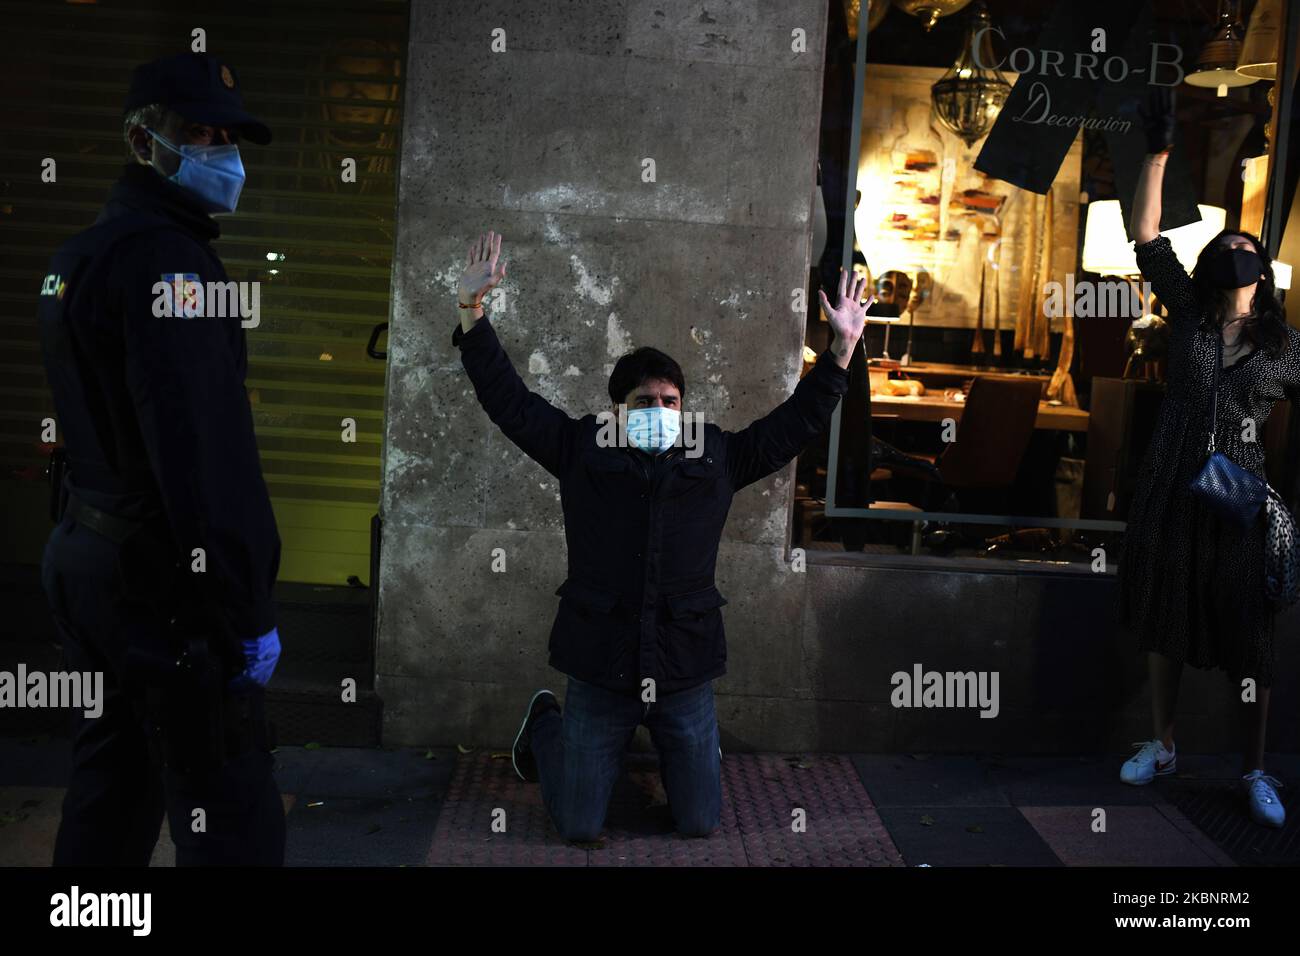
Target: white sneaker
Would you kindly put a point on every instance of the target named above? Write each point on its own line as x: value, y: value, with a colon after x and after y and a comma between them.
x: 1152, y: 760
x: 1261, y: 795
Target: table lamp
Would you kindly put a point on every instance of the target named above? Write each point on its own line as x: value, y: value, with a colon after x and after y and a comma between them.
x: 1108, y: 251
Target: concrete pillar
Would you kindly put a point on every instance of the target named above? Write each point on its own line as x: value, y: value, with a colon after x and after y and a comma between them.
x: 551, y: 142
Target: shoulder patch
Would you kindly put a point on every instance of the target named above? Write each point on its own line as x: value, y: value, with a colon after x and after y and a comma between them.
x: 53, y: 285
x: 183, y: 288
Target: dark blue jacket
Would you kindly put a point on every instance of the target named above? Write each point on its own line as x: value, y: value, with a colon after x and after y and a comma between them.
x: 642, y: 533
x: 152, y: 410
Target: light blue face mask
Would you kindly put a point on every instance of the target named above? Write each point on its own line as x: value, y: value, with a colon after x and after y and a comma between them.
x: 653, y: 429
x: 213, y: 173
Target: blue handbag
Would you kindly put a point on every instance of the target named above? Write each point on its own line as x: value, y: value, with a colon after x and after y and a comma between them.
x: 1231, y: 491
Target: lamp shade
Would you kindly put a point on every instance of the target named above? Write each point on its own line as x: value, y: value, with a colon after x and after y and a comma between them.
x: 1281, y: 275
x: 1259, y: 51
x: 1107, y: 249
x: 1216, y: 66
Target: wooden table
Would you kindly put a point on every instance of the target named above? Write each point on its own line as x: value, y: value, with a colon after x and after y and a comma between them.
x: 944, y: 370
x: 935, y: 408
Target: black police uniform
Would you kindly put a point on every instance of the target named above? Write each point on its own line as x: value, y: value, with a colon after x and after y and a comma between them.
x: 162, y: 459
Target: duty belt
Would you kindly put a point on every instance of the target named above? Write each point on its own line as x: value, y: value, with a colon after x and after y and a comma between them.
x: 113, y: 527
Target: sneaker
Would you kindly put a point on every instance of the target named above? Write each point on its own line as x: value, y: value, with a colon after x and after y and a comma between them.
x: 521, y: 754
x: 1152, y: 760
x: 1261, y: 795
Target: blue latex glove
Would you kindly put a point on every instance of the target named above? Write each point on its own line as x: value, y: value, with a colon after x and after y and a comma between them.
x: 261, y: 654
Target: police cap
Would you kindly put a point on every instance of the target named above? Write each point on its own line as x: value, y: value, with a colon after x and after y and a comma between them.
x: 199, y: 87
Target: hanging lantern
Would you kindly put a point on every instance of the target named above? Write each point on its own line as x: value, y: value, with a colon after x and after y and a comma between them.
x: 1216, y: 66
x: 875, y: 13
x: 968, y: 98
x: 1259, y: 53
x: 930, y: 10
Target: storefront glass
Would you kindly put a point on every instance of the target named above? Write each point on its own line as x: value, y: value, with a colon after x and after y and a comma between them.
x: 1014, y: 365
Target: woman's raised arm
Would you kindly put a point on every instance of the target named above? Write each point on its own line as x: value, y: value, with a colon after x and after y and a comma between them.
x: 1158, y: 122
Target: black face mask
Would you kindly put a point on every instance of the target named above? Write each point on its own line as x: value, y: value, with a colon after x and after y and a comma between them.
x: 1234, y: 268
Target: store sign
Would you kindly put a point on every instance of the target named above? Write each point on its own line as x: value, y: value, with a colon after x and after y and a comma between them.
x: 1165, y: 68
x: 1091, y: 71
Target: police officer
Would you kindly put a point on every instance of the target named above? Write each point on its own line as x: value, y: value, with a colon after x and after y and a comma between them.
x: 160, y: 570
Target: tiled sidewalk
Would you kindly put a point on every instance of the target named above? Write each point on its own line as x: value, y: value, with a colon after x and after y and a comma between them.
x: 409, y: 807
x: 762, y: 795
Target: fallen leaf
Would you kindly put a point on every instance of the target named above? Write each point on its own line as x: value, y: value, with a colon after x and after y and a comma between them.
x: 430, y: 755
x: 311, y: 746
x: 927, y: 820
x: 463, y: 749
x: 318, y: 803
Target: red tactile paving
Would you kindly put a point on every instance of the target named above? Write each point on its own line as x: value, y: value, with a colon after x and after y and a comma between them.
x: 464, y: 836
x: 759, y: 793
x: 843, y: 828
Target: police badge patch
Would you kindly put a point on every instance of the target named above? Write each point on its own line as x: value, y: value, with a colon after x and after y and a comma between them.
x: 185, y: 288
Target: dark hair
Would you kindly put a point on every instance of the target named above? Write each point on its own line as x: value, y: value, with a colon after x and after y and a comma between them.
x: 639, y: 366
x: 1268, y: 329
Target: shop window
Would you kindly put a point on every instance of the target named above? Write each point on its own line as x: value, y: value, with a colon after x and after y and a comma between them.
x: 1014, y: 363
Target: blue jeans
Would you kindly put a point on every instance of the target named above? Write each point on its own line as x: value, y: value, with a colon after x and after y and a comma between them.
x: 579, y: 756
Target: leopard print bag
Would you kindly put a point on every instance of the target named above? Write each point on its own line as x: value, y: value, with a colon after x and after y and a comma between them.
x: 1281, y: 553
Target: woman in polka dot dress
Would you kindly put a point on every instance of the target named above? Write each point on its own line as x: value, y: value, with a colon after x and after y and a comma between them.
x: 1191, y: 584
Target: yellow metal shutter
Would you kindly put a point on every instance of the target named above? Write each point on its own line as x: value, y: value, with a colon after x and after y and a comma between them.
x: 327, y: 78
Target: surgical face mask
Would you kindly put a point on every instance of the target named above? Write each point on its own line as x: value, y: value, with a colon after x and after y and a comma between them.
x: 213, y: 173
x: 653, y: 429
x: 1235, y: 268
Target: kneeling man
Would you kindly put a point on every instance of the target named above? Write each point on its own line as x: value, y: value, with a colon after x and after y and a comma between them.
x: 639, y: 628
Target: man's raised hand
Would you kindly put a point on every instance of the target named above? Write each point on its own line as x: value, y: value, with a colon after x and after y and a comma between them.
x: 481, y: 273
x: 847, y: 317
